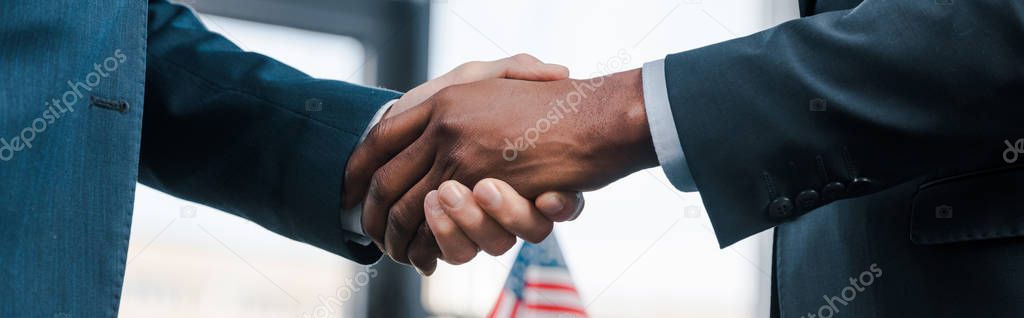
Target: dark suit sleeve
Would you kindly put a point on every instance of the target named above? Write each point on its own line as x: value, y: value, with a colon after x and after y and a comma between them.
x: 867, y: 98
x: 232, y: 130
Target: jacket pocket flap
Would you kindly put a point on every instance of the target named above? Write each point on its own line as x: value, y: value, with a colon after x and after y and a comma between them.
x: 976, y: 206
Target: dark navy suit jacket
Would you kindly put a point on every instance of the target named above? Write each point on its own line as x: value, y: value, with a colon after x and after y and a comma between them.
x: 98, y: 95
x: 880, y: 139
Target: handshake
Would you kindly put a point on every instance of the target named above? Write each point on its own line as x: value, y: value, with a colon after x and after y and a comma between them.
x: 524, y: 135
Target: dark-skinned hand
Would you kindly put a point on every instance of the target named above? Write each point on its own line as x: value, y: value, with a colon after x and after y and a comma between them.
x: 522, y: 67
x: 567, y: 135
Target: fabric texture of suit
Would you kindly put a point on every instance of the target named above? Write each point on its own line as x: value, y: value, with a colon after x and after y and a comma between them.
x: 221, y: 127
x: 873, y: 137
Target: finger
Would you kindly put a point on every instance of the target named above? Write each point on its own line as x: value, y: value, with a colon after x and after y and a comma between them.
x: 421, y: 93
x: 520, y: 67
x: 457, y: 202
x: 560, y: 206
x: 526, y: 67
x: 423, y: 253
x: 385, y: 140
x: 456, y: 248
x: 387, y: 186
x: 405, y: 216
x: 513, y: 212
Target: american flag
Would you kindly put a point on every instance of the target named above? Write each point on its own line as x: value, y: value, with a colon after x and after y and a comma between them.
x: 539, y: 285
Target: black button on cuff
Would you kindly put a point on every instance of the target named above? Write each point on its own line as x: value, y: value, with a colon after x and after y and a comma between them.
x: 860, y: 186
x: 833, y: 191
x: 780, y: 208
x: 807, y: 200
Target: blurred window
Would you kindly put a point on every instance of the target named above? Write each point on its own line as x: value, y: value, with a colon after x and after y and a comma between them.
x: 188, y: 260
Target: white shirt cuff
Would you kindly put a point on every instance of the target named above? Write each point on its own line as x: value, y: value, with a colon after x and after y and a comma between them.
x: 352, y: 219
x: 663, y: 127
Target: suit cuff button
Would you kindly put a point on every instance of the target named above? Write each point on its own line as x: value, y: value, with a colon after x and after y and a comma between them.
x: 780, y: 208
x: 833, y: 191
x: 807, y: 200
x: 860, y: 185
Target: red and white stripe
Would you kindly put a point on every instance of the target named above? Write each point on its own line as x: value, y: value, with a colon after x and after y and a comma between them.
x: 548, y: 292
x: 506, y: 306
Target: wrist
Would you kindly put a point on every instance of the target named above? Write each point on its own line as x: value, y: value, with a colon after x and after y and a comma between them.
x: 628, y: 145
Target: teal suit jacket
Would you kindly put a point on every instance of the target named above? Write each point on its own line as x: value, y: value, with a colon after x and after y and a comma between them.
x: 99, y: 95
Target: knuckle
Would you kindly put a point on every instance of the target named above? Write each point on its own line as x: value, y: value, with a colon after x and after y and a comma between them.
x: 439, y: 228
x: 396, y: 248
x: 378, y: 191
x: 506, y: 244
x: 398, y: 258
x: 471, y: 67
x: 445, y: 96
x: 375, y: 137
x: 539, y: 233
x: 400, y: 221
x: 524, y: 58
x: 419, y: 259
x: 461, y: 256
x: 456, y: 76
x: 465, y: 72
x: 373, y: 229
x: 508, y: 216
x: 423, y: 253
x: 507, y: 221
x: 454, y: 261
x: 425, y: 237
x: 426, y: 264
x: 349, y: 180
x: 419, y: 253
x: 501, y: 245
x: 456, y: 156
x: 449, y: 127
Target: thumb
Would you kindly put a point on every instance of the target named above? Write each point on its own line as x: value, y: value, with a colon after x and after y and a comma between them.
x: 528, y: 68
x: 560, y: 206
x: 520, y: 67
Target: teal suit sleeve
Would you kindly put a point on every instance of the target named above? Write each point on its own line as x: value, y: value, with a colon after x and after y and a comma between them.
x: 847, y: 103
x: 232, y: 130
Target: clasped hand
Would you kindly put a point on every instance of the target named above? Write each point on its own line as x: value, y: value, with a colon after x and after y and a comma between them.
x: 412, y: 169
